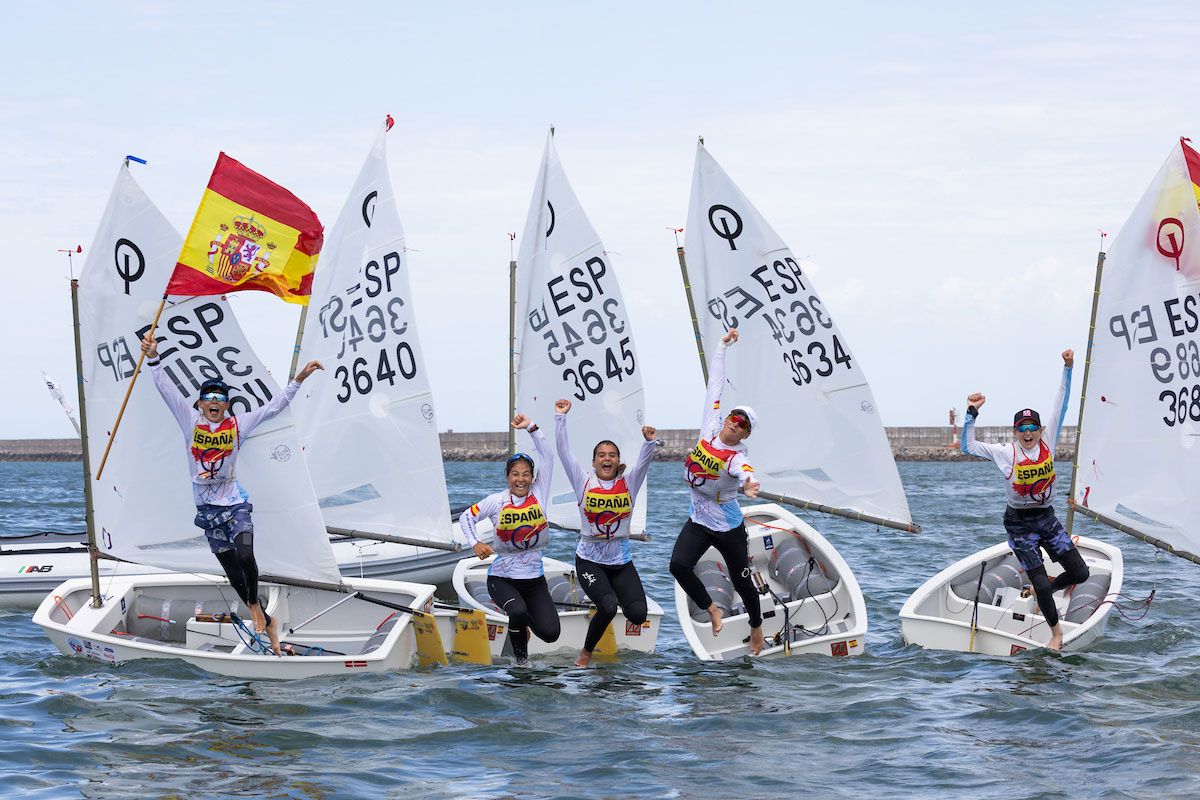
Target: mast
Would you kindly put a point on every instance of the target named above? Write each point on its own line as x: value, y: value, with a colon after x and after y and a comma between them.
x: 512, y: 345
x: 687, y: 288
x: 1087, y: 366
x: 89, y: 515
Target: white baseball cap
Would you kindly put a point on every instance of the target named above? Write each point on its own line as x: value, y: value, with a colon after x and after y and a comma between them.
x: 748, y: 413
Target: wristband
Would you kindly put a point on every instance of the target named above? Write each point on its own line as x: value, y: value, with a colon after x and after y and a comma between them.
x: 532, y: 427
x: 973, y: 411
x: 153, y: 363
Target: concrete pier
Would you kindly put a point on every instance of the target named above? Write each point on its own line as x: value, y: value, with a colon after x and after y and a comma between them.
x: 908, y: 444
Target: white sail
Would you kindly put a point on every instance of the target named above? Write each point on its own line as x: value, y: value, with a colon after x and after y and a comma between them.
x: 370, y: 434
x: 574, y: 339
x: 819, y: 436
x: 1139, y: 441
x: 143, y: 501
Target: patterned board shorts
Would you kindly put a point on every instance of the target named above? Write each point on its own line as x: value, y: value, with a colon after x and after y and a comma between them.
x: 222, y: 524
x: 1029, y: 532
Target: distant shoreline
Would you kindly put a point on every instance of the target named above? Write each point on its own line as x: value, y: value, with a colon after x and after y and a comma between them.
x: 908, y: 444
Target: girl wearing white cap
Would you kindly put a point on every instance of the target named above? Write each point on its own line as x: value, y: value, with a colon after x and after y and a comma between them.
x: 715, y: 469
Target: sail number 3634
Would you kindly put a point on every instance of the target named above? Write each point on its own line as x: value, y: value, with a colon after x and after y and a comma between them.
x: 802, y: 374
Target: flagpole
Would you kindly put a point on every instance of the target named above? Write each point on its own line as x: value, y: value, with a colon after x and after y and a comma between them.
x: 88, y: 510
x: 136, y: 371
x: 299, y: 337
x: 1087, y: 367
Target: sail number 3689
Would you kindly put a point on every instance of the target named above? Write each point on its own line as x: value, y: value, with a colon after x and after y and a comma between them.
x: 1182, y: 405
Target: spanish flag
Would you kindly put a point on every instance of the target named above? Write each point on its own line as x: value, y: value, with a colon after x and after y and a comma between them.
x: 249, y: 233
x: 1193, y: 164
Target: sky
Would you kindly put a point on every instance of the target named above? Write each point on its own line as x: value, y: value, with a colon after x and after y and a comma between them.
x: 945, y: 169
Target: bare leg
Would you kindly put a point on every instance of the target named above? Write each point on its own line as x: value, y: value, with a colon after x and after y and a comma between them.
x: 259, y: 619
x: 585, y: 658
x: 757, y: 642
x: 1056, y: 637
x: 715, y: 615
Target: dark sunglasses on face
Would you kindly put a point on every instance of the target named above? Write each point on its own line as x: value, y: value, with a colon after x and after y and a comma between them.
x: 214, y: 397
x: 739, y: 420
x: 1027, y: 428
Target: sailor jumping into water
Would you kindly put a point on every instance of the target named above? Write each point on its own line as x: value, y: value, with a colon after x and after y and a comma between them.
x: 1028, y: 467
x: 603, y: 559
x: 714, y: 470
x: 222, y: 505
x: 516, y: 579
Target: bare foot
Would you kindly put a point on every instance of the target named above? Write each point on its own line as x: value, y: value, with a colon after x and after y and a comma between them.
x: 715, y: 615
x: 259, y: 619
x: 273, y: 633
x: 585, y: 658
x: 757, y: 642
x: 1056, y: 637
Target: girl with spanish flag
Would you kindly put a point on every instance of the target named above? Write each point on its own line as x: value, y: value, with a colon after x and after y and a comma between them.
x: 603, y: 559
x: 715, y: 469
x: 516, y: 580
x: 222, y: 505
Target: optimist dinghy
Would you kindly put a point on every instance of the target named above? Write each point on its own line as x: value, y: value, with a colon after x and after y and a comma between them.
x: 820, y: 443
x: 142, y: 511
x: 944, y: 614
x: 574, y: 613
x: 810, y: 600
x: 188, y: 617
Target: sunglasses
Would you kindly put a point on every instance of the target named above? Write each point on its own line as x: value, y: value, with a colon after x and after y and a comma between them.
x: 215, y: 397
x: 739, y: 420
x: 516, y: 456
x: 1027, y: 428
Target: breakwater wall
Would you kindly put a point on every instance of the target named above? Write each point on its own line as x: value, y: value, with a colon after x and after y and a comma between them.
x: 908, y: 444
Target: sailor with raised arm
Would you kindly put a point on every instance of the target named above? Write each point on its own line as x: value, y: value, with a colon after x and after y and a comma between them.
x: 715, y: 469
x: 603, y: 559
x: 223, y: 507
x: 516, y: 579
x: 1028, y: 467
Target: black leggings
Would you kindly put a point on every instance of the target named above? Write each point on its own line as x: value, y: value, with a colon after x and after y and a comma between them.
x: 528, y: 604
x: 240, y: 567
x: 693, y: 540
x: 607, y: 585
x: 1074, y: 571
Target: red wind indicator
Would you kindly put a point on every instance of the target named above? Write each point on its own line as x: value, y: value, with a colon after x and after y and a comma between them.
x: 390, y: 122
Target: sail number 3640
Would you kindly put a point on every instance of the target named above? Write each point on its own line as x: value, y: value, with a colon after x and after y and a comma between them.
x: 361, y: 376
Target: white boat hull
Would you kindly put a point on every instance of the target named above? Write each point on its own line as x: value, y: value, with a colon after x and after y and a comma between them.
x: 939, y: 614
x: 472, y: 574
x: 155, y: 616
x: 821, y: 611
x: 31, y: 566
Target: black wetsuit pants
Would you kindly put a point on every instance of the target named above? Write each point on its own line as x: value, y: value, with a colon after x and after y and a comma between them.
x: 609, y: 585
x: 693, y: 540
x: 528, y: 604
x: 241, y: 568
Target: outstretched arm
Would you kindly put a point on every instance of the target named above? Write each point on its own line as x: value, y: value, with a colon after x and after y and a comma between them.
x: 711, y: 421
x: 637, y: 473
x: 176, y: 403
x: 575, y: 473
x: 1058, y: 411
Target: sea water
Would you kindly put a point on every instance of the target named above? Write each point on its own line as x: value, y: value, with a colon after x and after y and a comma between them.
x: 1121, y: 720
